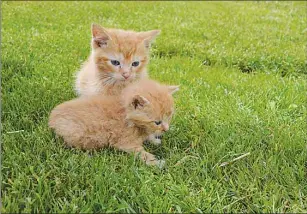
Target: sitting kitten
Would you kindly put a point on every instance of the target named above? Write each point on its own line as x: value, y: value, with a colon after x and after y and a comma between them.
x: 124, y: 122
x: 118, y: 58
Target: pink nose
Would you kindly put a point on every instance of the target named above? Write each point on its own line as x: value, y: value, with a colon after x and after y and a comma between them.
x: 165, y: 127
x: 126, y: 75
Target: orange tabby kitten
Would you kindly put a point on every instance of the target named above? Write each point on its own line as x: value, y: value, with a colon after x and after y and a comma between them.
x: 124, y: 122
x: 118, y: 58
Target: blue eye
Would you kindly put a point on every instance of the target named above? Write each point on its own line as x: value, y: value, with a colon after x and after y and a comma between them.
x: 136, y: 63
x: 115, y: 62
x: 158, y: 122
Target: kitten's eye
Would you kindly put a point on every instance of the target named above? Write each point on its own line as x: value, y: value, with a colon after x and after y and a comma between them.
x: 115, y: 62
x: 158, y: 122
x: 136, y: 63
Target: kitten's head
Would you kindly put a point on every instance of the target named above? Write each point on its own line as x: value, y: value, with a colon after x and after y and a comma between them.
x: 149, y: 105
x: 121, y: 55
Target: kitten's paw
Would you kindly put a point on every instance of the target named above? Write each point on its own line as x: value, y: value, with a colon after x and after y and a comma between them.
x: 156, y: 141
x: 160, y: 163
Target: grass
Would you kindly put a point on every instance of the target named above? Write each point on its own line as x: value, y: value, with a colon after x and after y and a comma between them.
x: 242, y: 70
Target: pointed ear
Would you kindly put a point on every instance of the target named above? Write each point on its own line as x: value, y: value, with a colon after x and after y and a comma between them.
x: 149, y: 36
x: 173, y: 88
x: 139, y: 102
x: 100, y: 36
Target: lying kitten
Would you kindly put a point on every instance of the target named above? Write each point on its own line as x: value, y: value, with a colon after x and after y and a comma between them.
x: 118, y: 58
x: 124, y: 122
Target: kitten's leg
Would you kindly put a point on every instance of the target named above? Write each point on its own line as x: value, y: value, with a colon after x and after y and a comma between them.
x: 152, y: 138
x: 147, y: 157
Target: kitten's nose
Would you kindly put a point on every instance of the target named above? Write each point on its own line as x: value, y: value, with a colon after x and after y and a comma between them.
x: 126, y: 75
x: 165, y: 127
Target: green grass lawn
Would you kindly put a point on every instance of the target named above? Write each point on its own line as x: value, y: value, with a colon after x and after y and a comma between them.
x: 242, y: 71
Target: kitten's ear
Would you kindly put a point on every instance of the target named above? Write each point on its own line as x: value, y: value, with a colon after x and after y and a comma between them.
x: 173, y: 88
x: 139, y: 101
x: 100, y: 36
x: 149, y: 36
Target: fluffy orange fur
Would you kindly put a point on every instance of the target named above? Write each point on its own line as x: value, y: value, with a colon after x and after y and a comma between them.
x: 144, y: 109
x: 118, y: 58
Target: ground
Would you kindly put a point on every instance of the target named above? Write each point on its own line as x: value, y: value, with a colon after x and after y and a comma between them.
x: 242, y: 71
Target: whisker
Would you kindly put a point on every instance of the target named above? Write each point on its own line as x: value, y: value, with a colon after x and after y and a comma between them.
x: 107, y: 81
x: 114, y: 82
x: 104, y: 76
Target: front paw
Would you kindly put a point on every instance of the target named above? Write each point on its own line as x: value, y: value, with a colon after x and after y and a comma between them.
x: 156, y: 141
x: 155, y: 162
x: 160, y: 163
